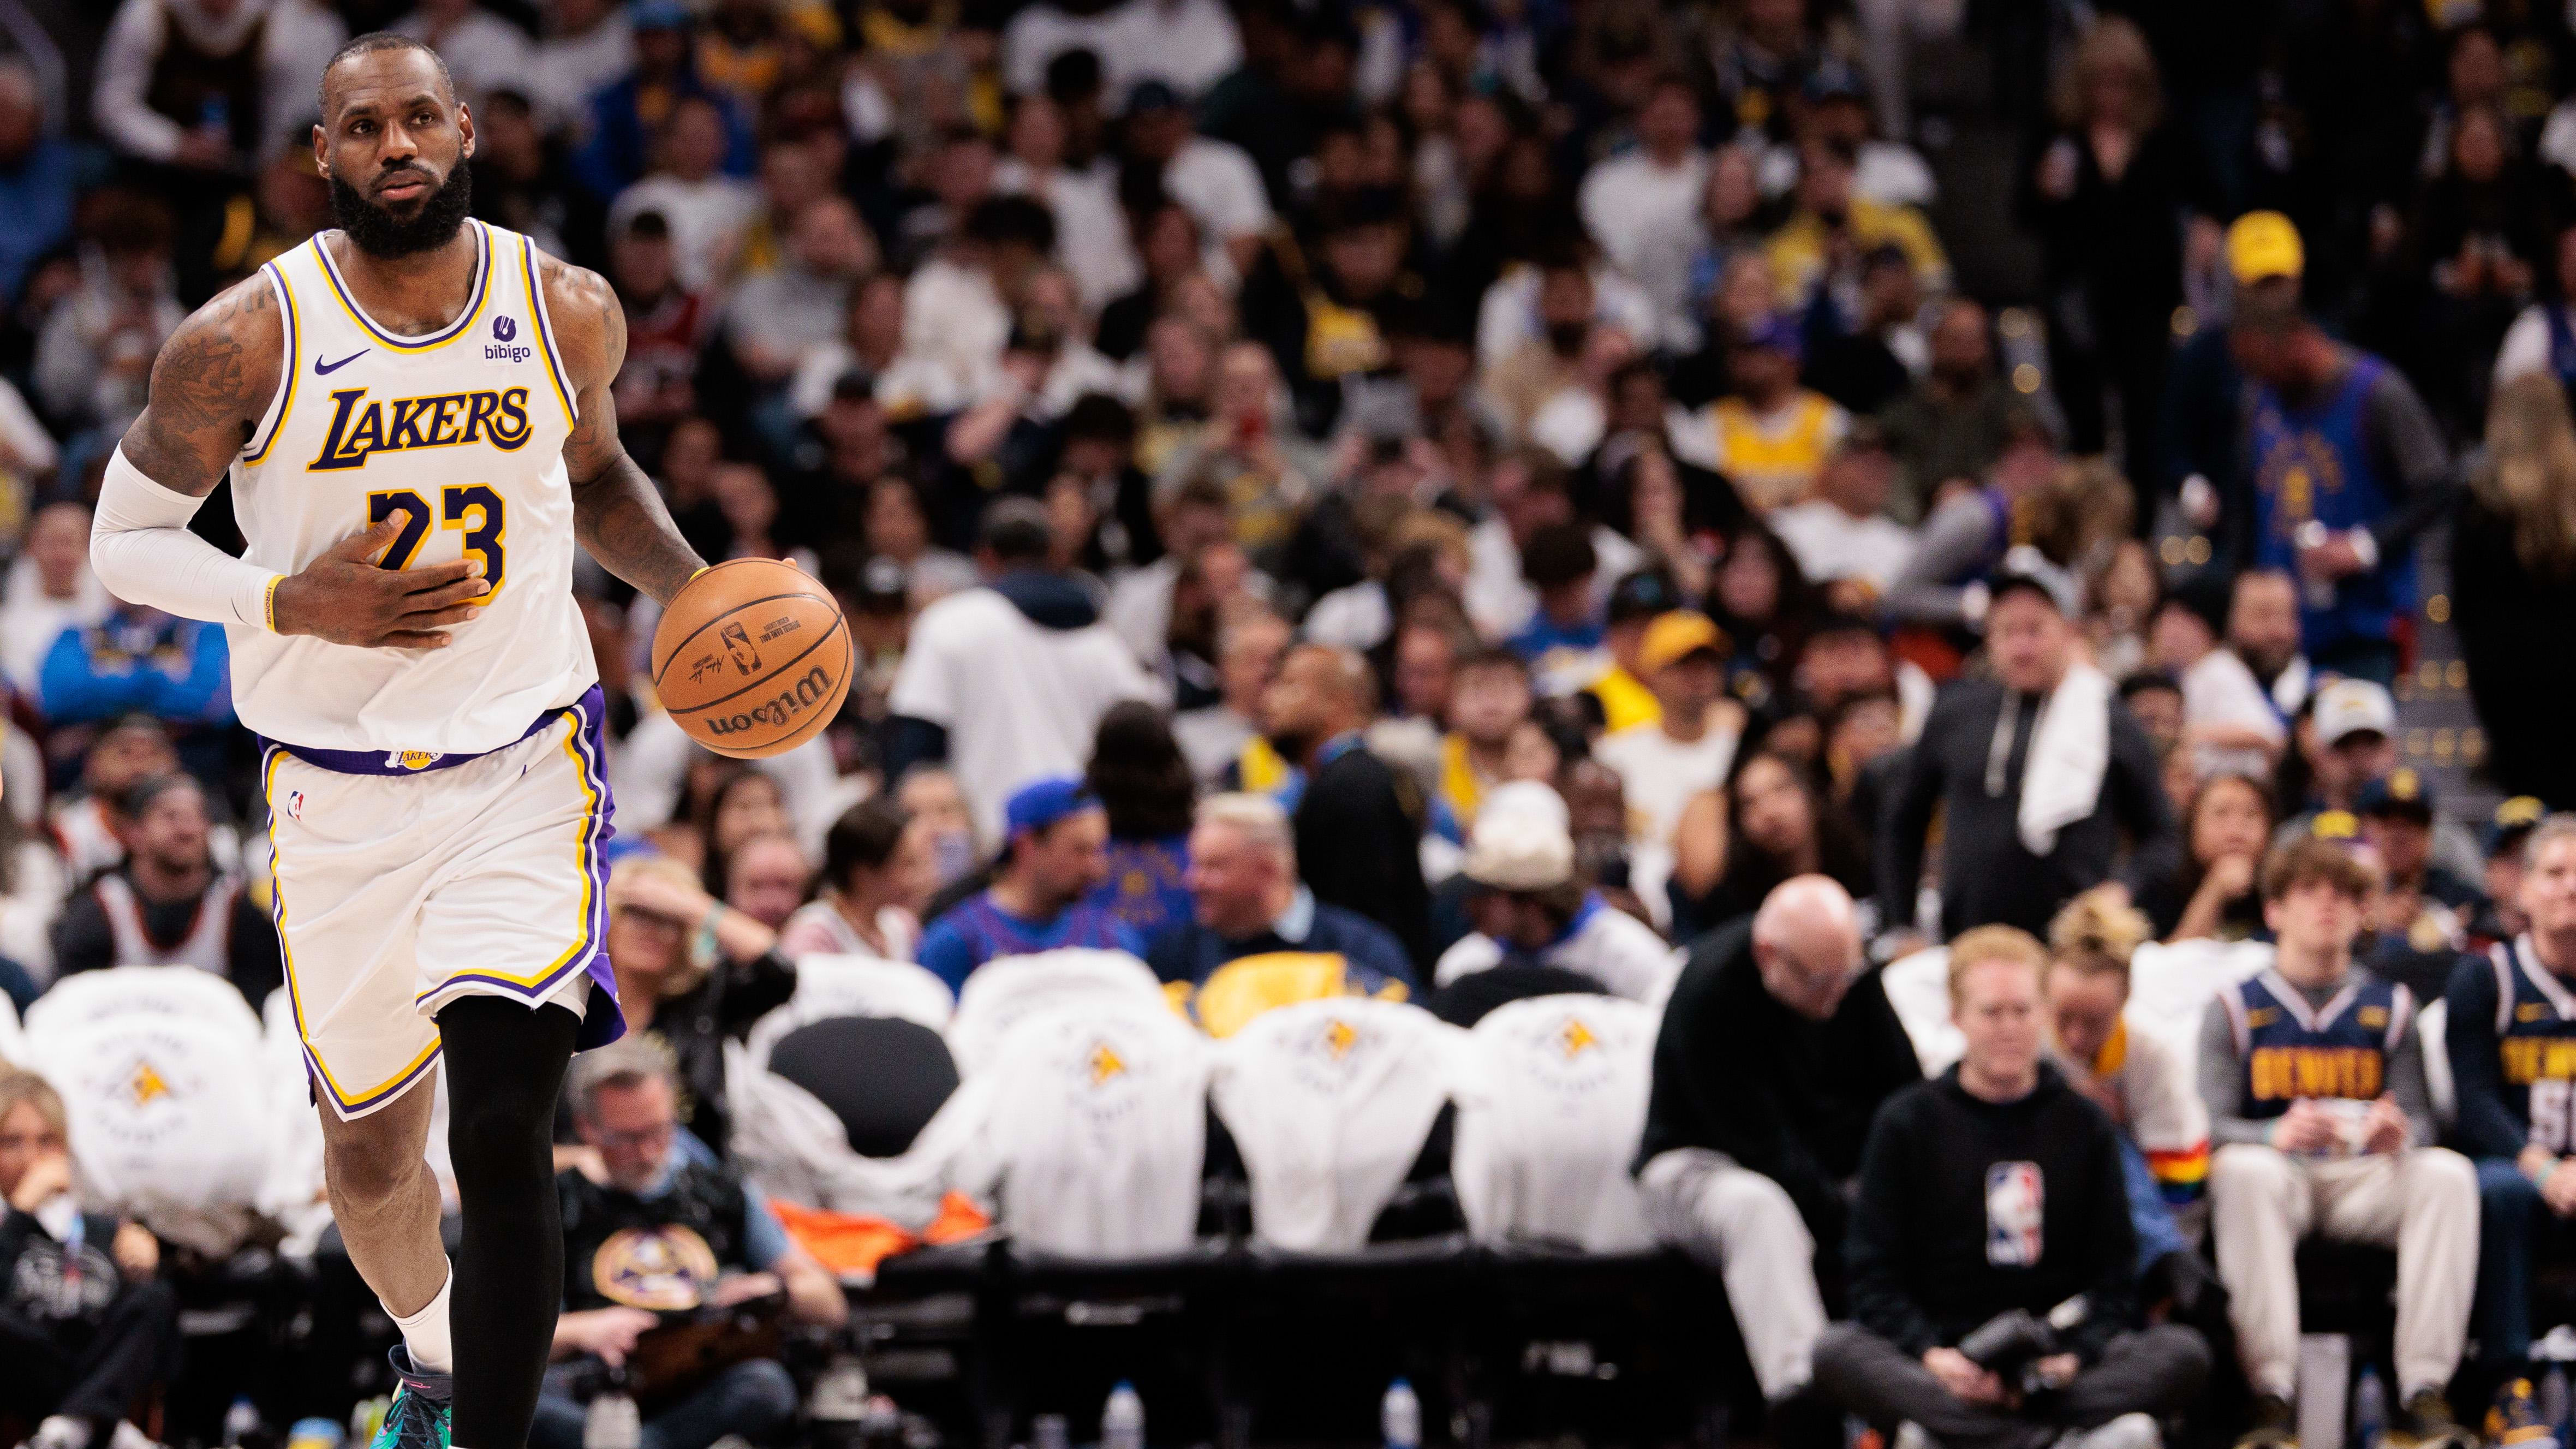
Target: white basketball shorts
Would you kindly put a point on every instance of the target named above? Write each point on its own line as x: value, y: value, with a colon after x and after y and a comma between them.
x: 406, y: 880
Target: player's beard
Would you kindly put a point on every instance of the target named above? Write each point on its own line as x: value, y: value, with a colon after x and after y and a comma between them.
x: 380, y: 233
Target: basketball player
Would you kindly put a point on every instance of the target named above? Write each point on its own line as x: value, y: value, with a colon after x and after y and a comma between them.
x: 415, y: 414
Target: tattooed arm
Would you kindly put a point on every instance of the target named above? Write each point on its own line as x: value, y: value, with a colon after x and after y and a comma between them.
x: 617, y: 511
x: 210, y: 386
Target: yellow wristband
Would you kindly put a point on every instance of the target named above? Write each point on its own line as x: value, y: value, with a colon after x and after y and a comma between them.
x: 268, y: 606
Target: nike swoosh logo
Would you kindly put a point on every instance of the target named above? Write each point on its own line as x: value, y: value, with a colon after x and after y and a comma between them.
x: 324, y: 369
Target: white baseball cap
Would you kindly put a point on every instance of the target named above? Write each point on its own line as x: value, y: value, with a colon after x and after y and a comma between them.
x: 2350, y: 706
x: 1519, y: 850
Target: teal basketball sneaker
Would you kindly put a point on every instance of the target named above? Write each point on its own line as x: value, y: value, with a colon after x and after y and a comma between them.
x: 417, y: 1418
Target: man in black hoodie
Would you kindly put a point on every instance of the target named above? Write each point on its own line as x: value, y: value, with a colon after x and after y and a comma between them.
x: 1999, y: 1187
x: 1775, y: 1051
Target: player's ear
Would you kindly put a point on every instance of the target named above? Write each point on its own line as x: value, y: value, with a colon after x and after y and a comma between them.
x: 465, y: 128
x: 321, y: 149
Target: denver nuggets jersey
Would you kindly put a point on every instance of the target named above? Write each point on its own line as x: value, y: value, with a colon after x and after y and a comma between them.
x: 459, y: 434
x: 2292, y: 1050
x: 2536, y: 1038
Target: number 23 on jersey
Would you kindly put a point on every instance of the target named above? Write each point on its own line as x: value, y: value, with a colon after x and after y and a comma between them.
x: 470, y: 508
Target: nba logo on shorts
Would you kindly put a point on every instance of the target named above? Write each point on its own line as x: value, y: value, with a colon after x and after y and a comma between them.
x: 2015, y: 1196
x: 294, y: 804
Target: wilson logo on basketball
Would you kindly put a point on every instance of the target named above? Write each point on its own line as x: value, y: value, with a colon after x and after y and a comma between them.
x: 779, y: 708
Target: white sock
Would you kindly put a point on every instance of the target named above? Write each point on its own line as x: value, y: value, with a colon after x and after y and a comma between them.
x: 425, y: 1333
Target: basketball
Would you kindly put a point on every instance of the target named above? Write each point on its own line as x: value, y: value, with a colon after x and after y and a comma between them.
x: 752, y: 658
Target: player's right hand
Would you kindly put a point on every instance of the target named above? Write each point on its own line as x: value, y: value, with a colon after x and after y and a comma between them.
x: 346, y: 597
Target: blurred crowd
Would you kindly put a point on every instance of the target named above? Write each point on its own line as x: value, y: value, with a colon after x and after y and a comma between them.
x: 1485, y: 494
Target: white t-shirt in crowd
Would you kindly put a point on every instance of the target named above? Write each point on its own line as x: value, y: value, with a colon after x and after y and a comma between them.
x: 1831, y: 544
x: 482, y: 50
x: 2220, y: 689
x: 954, y: 327
x: 1507, y: 315
x: 708, y: 219
x: 1019, y: 701
x: 1645, y: 215
x: 569, y: 69
x: 31, y: 620
x: 1188, y: 45
x: 1660, y: 774
x: 1605, y: 943
x: 1218, y: 184
x: 1090, y: 230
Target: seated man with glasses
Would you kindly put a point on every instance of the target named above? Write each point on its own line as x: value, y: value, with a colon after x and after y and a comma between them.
x: 656, y: 1240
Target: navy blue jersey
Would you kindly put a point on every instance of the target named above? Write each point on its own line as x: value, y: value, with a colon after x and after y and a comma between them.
x: 2535, y: 1027
x: 2292, y: 1051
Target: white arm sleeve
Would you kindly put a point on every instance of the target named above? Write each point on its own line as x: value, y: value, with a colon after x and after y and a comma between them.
x: 140, y: 545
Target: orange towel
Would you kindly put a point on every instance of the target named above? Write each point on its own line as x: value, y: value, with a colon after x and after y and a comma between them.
x: 853, y: 1244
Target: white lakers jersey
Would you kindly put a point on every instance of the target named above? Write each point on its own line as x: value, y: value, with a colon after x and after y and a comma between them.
x: 459, y: 434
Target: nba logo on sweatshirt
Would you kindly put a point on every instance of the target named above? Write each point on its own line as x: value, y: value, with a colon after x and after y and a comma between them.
x: 2015, y: 1196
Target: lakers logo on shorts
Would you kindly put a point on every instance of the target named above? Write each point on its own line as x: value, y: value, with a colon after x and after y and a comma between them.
x: 410, y: 759
x: 664, y: 1269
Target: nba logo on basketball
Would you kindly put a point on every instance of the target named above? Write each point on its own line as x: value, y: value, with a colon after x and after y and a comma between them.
x: 2016, y: 1194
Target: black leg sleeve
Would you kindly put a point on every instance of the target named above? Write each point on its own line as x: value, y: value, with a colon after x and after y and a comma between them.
x: 505, y: 1067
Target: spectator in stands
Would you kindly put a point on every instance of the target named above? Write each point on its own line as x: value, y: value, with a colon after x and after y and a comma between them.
x: 139, y: 660
x: 2138, y: 1080
x: 2109, y: 197
x: 2511, y: 551
x: 1953, y: 423
x: 94, y: 358
x: 740, y: 802
x: 1778, y: 1045
x: 1143, y: 782
x: 1248, y: 901
x: 1359, y: 821
x: 2501, y: 844
x: 2218, y: 894
x: 1054, y: 857
x: 692, y: 993
x: 658, y: 1231
x: 780, y: 318
x: 1999, y: 1187
x: 2352, y: 547
x: 200, y: 86
x: 1216, y: 737
x: 765, y: 878
x: 2397, y: 812
x: 625, y: 115
x: 1008, y: 681
x: 1970, y: 529
x: 1690, y: 746
x: 1769, y: 436
x: 2033, y: 815
x: 877, y: 874
x: 50, y: 590
x: 587, y: 47
x: 480, y: 49
x: 89, y: 1331
x: 1489, y: 700
x: 1831, y: 229
x: 1527, y: 905
x: 2353, y: 726
x: 2228, y: 721
x: 168, y: 904
x: 1214, y: 179
x: 2314, y: 1078
x: 1768, y: 824
x: 707, y: 211
x: 2263, y: 630
x: 2509, y: 1015
x: 1844, y: 531
x: 1643, y: 206
x: 38, y: 176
